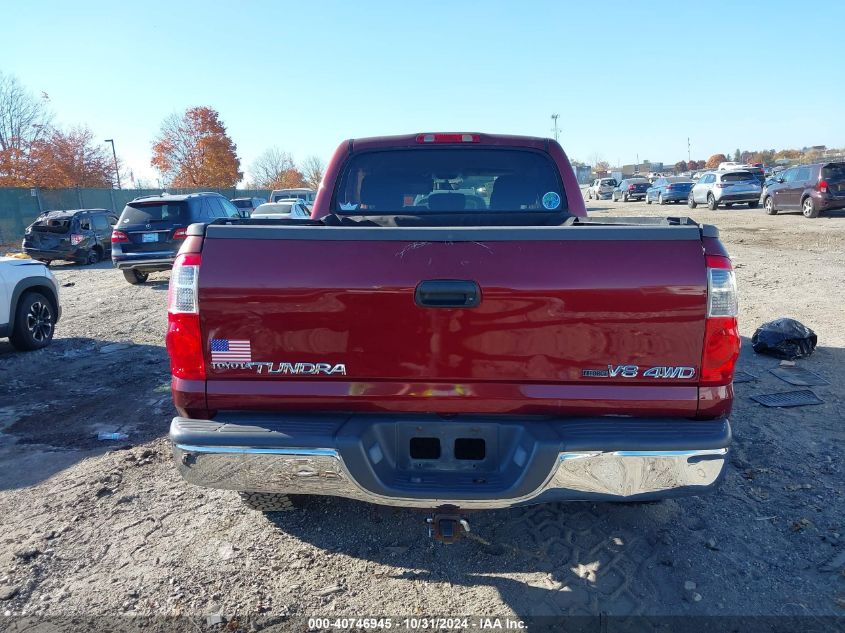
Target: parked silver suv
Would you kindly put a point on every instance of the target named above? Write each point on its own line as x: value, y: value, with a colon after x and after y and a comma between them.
x: 725, y: 187
x: 601, y: 187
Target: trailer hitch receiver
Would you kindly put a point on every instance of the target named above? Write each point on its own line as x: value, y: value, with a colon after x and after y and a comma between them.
x: 447, y: 527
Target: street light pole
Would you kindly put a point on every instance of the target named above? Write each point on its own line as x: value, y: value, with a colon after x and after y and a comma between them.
x: 555, y: 130
x: 114, y: 154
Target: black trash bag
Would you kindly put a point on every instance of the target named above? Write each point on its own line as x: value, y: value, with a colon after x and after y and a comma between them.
x: 784, y: 338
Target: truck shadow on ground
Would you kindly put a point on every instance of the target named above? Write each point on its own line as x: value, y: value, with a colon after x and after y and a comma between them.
x: 691, y: 555
x: 54, y: 402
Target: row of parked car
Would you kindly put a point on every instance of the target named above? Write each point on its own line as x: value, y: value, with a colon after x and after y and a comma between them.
x: 810, y: 189
x: 144, y: 238
x: 148, y: 233
x: 285, y: 197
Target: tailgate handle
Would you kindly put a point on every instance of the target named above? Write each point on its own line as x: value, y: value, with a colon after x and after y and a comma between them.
x: 447, y: 293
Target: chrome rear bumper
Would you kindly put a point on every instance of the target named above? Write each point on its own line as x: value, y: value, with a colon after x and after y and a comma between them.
x: 616, y: 475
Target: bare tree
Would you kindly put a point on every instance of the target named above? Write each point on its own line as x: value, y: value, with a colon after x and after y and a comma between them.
x: 595, y: 159
x: 313, y: 169
x: 24, y: 120
x: 269, y: 168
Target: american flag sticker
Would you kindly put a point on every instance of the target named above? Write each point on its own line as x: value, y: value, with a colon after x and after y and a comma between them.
x: 225, y: 350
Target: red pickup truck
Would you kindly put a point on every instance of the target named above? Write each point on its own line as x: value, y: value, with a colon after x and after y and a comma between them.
x: 450, y: 331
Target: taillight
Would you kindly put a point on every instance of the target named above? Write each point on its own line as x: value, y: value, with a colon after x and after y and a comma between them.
x: 632, y: 187
x: 721, y: 334
x: 75, y: 238
x: 448, y: 138
x: 119, y: 236
x: 823, y: 186
x: 184, y: 337
x: 180, y: 234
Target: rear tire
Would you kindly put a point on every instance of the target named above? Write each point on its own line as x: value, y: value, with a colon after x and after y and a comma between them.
x: 647, y: 199
x: 660, y: 199
x: 135, y: 277
x: 808, y: 208
x: 270, y: 501
x: 93, y: 256
x: 769, y: 205
x: 625, y: 197
x: 35, y: 322
x: 711, y: 202
x: 691, y: 203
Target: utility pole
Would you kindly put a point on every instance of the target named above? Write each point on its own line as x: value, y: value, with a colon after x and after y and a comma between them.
x: 689, y: 155
x: 554, y: 129
x: 114, y: 154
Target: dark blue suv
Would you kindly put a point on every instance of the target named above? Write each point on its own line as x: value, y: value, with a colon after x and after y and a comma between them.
x: 151, y: 230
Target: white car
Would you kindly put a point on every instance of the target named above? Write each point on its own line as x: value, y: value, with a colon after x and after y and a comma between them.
x: 601, y: 187
x: 29, y: 303
x: 290, y: 208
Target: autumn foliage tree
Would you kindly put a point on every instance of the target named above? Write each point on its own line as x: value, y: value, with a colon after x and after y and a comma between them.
x: 681, y: 165
x: 194, y: 150
x: 71, y: 159
x: 714, y: 161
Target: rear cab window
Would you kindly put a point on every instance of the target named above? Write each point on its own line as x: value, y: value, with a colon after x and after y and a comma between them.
x: 449, y: 180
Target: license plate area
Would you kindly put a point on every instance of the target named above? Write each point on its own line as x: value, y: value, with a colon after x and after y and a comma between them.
x: 146, y: 238
x: 434, y: 457
x: 445, y: 446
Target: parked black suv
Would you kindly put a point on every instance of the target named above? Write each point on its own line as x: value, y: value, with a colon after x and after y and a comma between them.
x: 79, y: 235
x: 151, y: 230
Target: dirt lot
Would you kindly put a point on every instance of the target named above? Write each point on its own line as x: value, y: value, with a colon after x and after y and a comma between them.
x: 89, y: 527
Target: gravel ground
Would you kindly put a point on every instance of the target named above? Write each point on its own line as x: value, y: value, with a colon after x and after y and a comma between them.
x: 95, y: 529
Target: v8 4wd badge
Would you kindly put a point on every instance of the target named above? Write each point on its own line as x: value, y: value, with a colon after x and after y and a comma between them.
x: 633, y: 371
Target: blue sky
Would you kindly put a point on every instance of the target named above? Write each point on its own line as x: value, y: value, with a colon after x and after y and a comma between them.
x: 627, y: 78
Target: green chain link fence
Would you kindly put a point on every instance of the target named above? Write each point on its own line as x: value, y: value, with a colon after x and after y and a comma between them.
x: 20, y: 206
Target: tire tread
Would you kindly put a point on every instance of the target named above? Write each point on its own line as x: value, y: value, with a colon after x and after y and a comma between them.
x: 269, y: 501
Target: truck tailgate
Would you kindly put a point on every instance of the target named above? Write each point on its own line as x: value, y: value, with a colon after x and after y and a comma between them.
x: 330, y: 318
